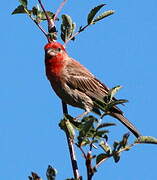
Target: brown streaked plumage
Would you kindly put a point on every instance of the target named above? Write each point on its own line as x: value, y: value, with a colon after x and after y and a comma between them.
x: 76, y: 86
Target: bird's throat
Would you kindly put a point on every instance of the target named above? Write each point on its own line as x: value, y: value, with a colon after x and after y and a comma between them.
x: 54, y: 66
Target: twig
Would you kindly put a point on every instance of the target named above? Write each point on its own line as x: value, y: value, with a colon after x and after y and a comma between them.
x: 49, y: 21
x: 71, y: 148
x: 84, y: 155
x: 78, y: 32
x: 52, y: 35
x: 96, y: 166
x: 59, y: 10
x: 39, y: 26
x: 88, y: 158
x: 121, y: 150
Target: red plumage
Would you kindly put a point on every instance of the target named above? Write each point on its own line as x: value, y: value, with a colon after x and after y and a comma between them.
x: 77, y: 86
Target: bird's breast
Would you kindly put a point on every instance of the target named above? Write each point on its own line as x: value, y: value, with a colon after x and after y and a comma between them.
x: 54, y: 67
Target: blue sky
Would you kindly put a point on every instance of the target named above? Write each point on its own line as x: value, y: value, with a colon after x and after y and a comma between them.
x: 121, y: 49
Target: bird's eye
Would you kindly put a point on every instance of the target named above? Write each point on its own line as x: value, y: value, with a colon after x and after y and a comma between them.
x: 59, y: 49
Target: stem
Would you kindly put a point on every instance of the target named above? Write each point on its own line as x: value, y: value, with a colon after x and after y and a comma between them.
x: 90, y: 170
x: 121, y: 150
x: 51, y: 25
x: 71, y: 148
x: 59, y: 9
x: 84, y: 154
x: 78, y: 32
x: 40, y: 27
x: 50, y: 22
x: 96, y: 166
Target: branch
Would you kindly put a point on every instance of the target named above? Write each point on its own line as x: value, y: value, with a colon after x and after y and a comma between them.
x: 84, y: 154
x: 39, y: 26
x: 90, y: 170
x: 121, y: 150
x: 71, y: 148
x: 78, y: 32
x: 49, y: 21
x: 59, y: 10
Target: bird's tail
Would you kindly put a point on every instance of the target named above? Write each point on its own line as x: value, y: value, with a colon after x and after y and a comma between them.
x: 118, y: 114
x: 126, y: 122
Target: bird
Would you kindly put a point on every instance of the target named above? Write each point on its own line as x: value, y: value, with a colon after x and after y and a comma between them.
x: 77, y: 86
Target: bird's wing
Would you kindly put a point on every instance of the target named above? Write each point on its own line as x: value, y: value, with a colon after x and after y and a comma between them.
x: 80, y: 78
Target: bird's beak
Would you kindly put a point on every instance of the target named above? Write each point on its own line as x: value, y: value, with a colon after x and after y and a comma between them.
x: 50, y: 52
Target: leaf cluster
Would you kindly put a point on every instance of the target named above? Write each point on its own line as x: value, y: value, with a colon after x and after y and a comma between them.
x: 50, y: 174
x: 36, y: 13
x: 68, y: 27
x: 91, y: 133
x: 91, y: 19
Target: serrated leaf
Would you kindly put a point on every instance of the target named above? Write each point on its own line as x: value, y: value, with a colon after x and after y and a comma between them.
x: 103, y: 15
x: 146, y: 140
x: 113, y: 91
x: 23, y: 3
x: 93, y: 12
x: 19, y: 10
x: 101, y: 157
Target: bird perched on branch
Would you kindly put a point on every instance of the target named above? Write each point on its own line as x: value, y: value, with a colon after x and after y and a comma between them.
x: 78, y: 87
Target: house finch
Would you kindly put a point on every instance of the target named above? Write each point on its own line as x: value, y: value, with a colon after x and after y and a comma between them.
x: 78, y: 87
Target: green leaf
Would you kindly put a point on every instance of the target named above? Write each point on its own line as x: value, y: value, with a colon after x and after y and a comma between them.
x: 101, y: 157
x: 19, y: 10
x: 86, y: 127
x: 104, y: 125
x: 88, y: 118
x: 67, y: 127
x: 105, y: 147
x: 70, y: 129
x: 103, y: 15
x: 23, y: 3
x: 113, y: 91
x: 39, y: 14
x: 100, y: 133
x: 67, y: 27
x: 84, y: 142
x: 146, y: 140
x: 116, y: 102
x: 49, y: 13
x: 92, y: 13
